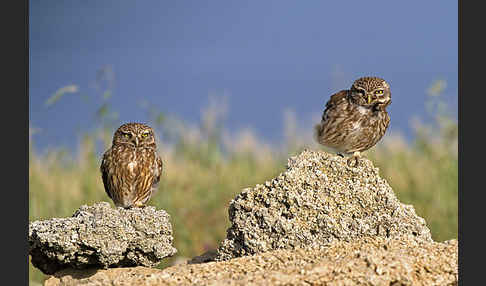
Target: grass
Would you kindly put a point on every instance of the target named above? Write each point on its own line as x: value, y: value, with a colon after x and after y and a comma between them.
x: 205, y: 167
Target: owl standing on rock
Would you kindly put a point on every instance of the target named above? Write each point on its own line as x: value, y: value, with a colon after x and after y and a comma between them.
x: 355, y: 120
x: 131, y: 168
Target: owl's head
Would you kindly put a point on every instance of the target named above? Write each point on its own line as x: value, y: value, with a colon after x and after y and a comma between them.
x: 371, y: 92
x: 135, y: 134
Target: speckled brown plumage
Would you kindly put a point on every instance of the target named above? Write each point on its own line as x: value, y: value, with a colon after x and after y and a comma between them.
x: 131, y: 168
x: 355, y: 120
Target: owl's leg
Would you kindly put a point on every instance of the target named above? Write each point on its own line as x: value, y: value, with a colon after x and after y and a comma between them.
x: 138, y: 204
x: 354, y: 159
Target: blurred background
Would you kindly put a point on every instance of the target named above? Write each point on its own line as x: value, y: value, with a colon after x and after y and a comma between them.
x: 233, y: 88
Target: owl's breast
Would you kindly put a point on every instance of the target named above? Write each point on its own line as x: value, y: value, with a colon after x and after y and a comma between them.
x: 131, y: 166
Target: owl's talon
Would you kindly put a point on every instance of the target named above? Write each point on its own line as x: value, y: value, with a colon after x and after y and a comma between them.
x: 354, y: 158
x: 351, y: 160
x: 139, y: 205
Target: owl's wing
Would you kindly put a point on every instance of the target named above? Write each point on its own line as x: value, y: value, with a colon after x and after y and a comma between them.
x: 159, y: 167
x: 332, y: 107
x: 105, y: 162
x: 333, y: 102
x: 386, y: 120
x: 335, y: 99
x: 157, y: 173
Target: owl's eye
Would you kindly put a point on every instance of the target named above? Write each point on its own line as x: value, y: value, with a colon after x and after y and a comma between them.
x: 127, y: 135
x: 379, y: 92
x: 145, y: 135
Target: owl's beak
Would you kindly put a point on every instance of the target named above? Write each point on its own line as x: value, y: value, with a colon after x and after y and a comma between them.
x: 369, y: 98
x: 135, y: 140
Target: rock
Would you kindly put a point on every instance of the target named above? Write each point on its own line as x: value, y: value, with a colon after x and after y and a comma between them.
x: 316, y: 201
x: 99, y: 236
x: 367, y: 261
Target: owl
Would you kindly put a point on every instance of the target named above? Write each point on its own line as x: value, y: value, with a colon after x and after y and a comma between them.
x: 355, y: 120
x: 131, y: 168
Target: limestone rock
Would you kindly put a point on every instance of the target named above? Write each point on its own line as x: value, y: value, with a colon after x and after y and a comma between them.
x: 100, y: 236
x: 367, y: 261
x: 317, y: 200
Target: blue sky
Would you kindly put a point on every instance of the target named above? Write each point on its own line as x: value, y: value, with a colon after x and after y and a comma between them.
x: 265, y: 56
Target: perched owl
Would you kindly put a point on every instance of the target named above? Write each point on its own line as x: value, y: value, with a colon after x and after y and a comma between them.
x: 355, y: 120
x: 131, y: 168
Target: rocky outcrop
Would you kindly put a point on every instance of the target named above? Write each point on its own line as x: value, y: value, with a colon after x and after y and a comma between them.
x: 317, y: 200
x: 367, y: 261
x: 320, y: 222
x: 100, y: 236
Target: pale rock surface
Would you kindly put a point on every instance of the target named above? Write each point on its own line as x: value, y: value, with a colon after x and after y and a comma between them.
x: 367, y: 261
x: 101, y: 236
x: 317, y: 200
